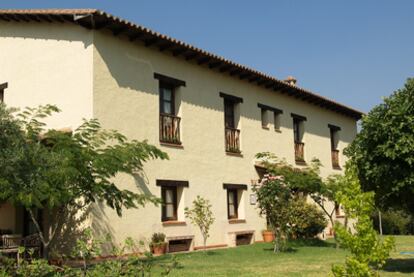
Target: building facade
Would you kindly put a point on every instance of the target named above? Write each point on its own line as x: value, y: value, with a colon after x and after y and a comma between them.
x: 211, y: 116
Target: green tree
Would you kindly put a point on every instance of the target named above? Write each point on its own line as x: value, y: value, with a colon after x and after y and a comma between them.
x: 383, y: 151
x: 201, y: 215
x: 308, y: 181
x: 368, y: 252
x: 59, y: 171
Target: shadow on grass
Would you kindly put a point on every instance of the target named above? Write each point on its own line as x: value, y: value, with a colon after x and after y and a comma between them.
x: 400, y: 265
x: 311, y: 243
x: 293, y: 245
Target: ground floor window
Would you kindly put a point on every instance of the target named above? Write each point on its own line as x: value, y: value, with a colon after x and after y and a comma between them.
x: 232, y: 204
x: 235, y: 197
x: 169, y: 199
x: 171, y: 194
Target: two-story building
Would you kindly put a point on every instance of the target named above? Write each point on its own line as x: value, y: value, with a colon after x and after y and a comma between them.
x: 209, y: 114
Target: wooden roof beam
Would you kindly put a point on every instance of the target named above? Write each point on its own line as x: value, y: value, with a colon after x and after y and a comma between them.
x: 150, y: 41
x: 214, y: 64
x: 165, y: 46
x: 203, y: 60
x: 191, y: 56
x: 135, y: 36
x: 179, y: 51
x: 225, y: 68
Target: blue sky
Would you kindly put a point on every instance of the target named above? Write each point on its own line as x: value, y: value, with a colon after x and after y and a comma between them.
x: 352, y: 51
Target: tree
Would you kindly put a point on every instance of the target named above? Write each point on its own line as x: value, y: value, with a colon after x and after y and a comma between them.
x: 201, y: 215
x: 308, y: 181
x: 60, y: 171
x: 383, y: 151
x: 368, y: 252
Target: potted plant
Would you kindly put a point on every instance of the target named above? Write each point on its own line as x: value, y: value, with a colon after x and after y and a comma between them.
x: 55, y: 258
x: 158, y: 244
x: 268, y: 235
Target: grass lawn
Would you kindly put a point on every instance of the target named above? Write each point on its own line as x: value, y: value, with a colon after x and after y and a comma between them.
x: 306, y: 259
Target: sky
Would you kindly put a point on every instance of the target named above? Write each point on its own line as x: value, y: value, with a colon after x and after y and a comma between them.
x: 354, y: 51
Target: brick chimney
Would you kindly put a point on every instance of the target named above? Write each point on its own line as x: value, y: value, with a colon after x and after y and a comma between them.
x: 291, y: 80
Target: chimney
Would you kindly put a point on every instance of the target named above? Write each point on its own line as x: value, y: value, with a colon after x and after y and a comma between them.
x: 291, y: 80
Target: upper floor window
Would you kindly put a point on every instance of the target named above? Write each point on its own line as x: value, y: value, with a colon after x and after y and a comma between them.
x: 265, y: 111
x: 231, y: 122
x: 169, y: 106
x: 334, y: 139
x: 2, y: 88
x: 171, y: 194
x: 298, y: 132
x: 167, y: 97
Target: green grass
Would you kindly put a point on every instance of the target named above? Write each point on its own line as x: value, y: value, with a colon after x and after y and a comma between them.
x: 305, y: 259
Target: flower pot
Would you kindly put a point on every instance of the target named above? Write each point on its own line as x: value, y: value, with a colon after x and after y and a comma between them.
x: 56, y: 262
x: 268, y: 236
x: 159, y: 249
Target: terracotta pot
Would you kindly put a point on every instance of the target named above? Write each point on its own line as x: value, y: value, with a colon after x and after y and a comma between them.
x: 159, y: 249
x: 268, y: 236
x: 56, y: 262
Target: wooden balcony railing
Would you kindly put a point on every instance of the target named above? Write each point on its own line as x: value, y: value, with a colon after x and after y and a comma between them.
x: 335, y: 158
x: 232, y: 140
x: 299, y: 151
x: 170, y: 128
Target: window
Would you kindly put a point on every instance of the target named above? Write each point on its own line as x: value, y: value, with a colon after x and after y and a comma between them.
x: 265, y: 116
x: 334, y: 139
x: 171, y: 193
x: 234, y: 197
x: 169, y: 104
x: 167, y: 99
x: 229, y: 114
x: 2, y: 88
x: 265, y: 122
x: 232, y: 134
x: 169, y: 198
x: 232, y: 205
x: 298, y: 132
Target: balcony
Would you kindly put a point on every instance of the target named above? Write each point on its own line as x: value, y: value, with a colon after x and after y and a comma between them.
x: 170, y: 129
x: 299, y: 152
x: 232, y: 140
x: 335, y: 158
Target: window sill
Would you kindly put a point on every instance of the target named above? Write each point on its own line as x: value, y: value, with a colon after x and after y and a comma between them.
x: 172, y: 145
x: 174, y: 223
x: 265, y: 128
x: 278, y: 130
x: 337, y: 167
x: 235, y: 154
x: 300, y: 162
x: 339, y: 216
x: 237, y: 221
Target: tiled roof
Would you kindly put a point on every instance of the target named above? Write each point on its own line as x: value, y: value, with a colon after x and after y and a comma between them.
x: 96, y: 19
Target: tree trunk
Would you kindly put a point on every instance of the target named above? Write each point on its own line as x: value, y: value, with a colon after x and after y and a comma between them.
x: 334, y: 233
x: 41, y: 235
x: 380, y: 222
x: 204, y: 242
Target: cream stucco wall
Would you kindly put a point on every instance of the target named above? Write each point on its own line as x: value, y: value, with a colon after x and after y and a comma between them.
x: 46, y: 63
x: 94, y: 74
x: 126, y: 98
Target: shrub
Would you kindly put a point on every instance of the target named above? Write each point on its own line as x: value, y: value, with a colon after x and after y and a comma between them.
x: 394, y: 222
x: 307, y: 220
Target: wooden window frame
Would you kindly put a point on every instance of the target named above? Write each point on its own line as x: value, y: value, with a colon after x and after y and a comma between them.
x: 163, y: 86
x: 164, y: 190
x: 2, y: 88
x: 333, y: 130
x: 229, y: 106
x: 235, y: 203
